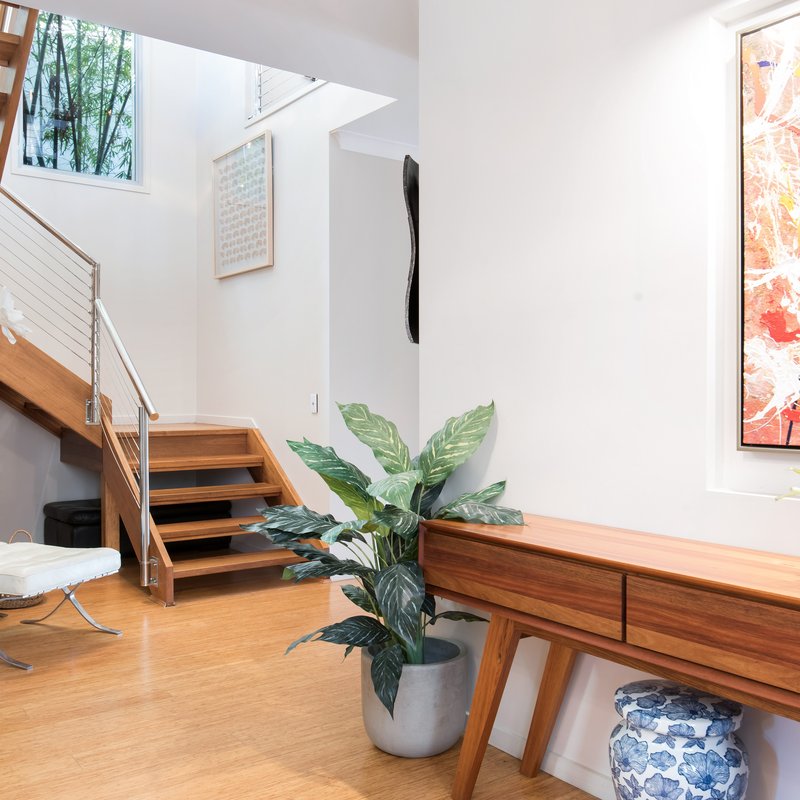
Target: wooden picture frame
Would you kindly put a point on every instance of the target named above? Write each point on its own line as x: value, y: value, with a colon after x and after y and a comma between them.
x: 769, y: 233
x: 242, y: 226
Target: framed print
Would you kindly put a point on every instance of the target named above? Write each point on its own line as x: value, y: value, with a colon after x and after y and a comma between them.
x: 769, y: 220
x: 243, y: 231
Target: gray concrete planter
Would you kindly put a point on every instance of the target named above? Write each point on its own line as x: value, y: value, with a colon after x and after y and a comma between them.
x: 431, y: 707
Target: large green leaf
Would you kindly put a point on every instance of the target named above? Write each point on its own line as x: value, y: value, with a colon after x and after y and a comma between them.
x: 379, y: 434
x: 359, y: 596
x: 345, y: 532
x: 404, y: 523
x: 458, y: 616
x: 308, y: 551
x: 483, y: 512
x: 454, y: 444
x: 428, y: 495
x: 288, y: 539
x: 285, y: 525
x: 323, y: 568
x: 483, y: 496
x: 293, y: 519
x: 397, y: 489
x: 356, y: 631
x: 411, y: 550
x: 354, y: 497
x: 387, y: 667
x: 429, y: 605
x: 325, y: 461
x: 400, y: 590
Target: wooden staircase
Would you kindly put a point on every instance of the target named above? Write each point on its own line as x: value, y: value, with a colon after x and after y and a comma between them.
x: 17, y: 27
x: 224, y: 451
x: 218, y: 463
x: 205, y: 462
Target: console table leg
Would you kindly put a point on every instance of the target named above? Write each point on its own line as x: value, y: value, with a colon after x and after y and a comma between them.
x: 498, y: 655
x: 555, y: 679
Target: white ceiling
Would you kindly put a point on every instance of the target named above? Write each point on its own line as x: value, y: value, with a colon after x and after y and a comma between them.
x: 368, y: 44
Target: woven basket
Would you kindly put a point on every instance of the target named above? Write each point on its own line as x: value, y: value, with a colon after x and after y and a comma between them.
x: 10, y: 602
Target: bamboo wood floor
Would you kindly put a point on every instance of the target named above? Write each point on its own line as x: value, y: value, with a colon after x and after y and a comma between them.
x: 198, y: 702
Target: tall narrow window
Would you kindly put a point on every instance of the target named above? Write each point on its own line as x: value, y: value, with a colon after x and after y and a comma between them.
x: 79, y: 104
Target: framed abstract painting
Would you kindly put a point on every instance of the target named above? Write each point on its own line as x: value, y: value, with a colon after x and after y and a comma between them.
x: 243, y: 230
x: 769, y: 219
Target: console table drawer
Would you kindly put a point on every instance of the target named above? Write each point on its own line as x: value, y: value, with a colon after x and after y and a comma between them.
x: 745, y: 637
x: 578, y: 595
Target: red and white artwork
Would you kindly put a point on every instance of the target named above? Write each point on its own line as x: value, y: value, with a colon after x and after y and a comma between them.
x: 770, y: 148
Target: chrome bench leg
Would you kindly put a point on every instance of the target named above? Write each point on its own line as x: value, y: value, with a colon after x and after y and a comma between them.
x: 13, y: 661
x: 69, y: 594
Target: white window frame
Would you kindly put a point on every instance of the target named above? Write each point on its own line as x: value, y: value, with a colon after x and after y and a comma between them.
x: 251, y: 77
x: 140, y: 182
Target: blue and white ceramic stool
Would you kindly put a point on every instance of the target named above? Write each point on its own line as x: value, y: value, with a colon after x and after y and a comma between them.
x: 676, y: 743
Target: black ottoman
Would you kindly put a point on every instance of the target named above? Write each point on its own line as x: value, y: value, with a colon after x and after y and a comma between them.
x: 76, y: 523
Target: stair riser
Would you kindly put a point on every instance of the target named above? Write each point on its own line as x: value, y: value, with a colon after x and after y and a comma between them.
x: 208, y: 444
x: 203, y: 463
x: 193, y: 537
x: 215, y: 566
x: 205, y: 494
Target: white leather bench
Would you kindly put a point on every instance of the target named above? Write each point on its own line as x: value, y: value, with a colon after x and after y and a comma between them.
x: 28, y: 569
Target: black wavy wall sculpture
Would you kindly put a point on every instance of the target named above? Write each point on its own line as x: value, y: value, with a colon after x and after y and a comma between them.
x: 411, y: 192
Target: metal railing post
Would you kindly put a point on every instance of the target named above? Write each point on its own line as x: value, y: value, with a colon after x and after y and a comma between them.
x: 93, y: 418
x: 144, y: 493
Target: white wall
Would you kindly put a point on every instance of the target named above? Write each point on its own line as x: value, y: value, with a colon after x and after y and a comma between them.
x: 32, y: 475
x: 263, y: 336
x: 371, y: 358
x: 146, y: 243
x: 571, y: 227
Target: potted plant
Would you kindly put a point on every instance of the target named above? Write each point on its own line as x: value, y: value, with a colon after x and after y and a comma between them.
x: 398, y: 655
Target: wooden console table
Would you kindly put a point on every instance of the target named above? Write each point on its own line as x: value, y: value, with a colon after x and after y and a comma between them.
x: 722, y: 619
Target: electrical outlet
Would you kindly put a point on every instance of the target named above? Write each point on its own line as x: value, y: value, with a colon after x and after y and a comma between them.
x: 314, y: 402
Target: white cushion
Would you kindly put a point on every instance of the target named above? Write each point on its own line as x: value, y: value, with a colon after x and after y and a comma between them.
x: 27, y: 568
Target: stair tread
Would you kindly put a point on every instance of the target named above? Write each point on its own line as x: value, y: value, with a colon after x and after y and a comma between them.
x: 9, y: 42
x: 205, y: 529
x: 200, y: 462
x: 199, y: 494
x: 183, y: 429
x: 231, y: 561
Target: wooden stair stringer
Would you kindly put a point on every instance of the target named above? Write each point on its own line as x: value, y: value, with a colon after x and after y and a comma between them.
x: 55, y: 396
x: 27, y: 409
x: 13, y: 70
x: 120, y: 482
x: 271, y: 472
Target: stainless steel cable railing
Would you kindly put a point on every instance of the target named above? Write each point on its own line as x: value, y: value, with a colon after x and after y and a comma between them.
x: 57, y: 287
x: 52, y: 281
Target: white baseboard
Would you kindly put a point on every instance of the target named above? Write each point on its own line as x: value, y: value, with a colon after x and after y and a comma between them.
x: 214, y: 419
x: 164, y: 419
x: 175, y: 419
x: 565, y: 769
x: 206, y: 419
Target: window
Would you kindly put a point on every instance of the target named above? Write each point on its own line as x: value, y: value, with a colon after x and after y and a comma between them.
x: 272, y: 89
x: 79, y: 104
